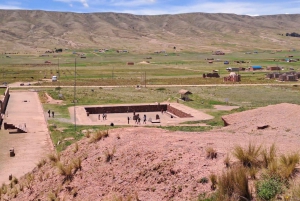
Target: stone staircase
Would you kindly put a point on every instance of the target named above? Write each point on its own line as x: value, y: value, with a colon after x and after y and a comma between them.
x: 20, y: 128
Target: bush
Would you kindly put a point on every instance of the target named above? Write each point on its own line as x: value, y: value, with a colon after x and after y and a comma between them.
x: 248, y: 157
x: 268, y: 188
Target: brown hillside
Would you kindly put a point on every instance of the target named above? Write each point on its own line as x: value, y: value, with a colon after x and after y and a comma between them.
x: 23, y: 30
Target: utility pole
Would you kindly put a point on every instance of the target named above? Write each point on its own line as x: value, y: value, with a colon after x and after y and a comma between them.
x: 145, y: 80
x: 75, y: 98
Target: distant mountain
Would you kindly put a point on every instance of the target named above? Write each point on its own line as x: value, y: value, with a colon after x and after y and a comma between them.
x: 30, y: 31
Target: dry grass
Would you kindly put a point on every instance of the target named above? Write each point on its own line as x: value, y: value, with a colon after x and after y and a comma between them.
x: 29, y: 178
x: 213, y: 180
x: 233, y: 184
x: 211, y: 153
x: 54, y: 158
x: 65, y: 170
x: 52, y: 196
x: 249, y: 157
x: 75, y: 147
x: 41, y: 163
x: 109, y: 154
x: 268, y: 156
x: 4, y: 189
x: 288, y: 164
x: 98, y: 136
x: 77, y: 164
x: 227, y: 161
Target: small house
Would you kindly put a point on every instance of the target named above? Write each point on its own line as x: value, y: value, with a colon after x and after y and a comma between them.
x: 272, y: 68
x: 130, y: 63
x: 254, y: 68
x: 184, y: 94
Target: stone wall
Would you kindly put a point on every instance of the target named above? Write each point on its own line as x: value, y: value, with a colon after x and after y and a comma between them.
x: 137, y: 108
x: 177, y: 112
x: 125, y: 109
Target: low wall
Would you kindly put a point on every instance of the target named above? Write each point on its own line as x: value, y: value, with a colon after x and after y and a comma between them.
x: 3, y: 104
x: 137, y: 108
x: 177, y: 112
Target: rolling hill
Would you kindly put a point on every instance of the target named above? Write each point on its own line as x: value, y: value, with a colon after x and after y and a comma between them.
x: 32, y: 31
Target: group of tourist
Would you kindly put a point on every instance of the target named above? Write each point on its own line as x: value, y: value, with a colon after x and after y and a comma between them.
x: 104, y: 116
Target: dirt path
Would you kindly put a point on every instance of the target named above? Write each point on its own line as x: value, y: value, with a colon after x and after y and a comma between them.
x: 24, y: 108
x: 50, y: 100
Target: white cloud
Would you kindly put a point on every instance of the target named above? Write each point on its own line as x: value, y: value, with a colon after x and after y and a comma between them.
x: 240, y: 8
x: 83, y: 2
x: 9, y: 7
x: 131, y: 3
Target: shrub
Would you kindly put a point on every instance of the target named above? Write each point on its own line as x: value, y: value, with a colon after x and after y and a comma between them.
x: 211, y: 153
x: 268, y: 188
x: 248, y: 157
x: 268, y: 156
x: 233, y: 184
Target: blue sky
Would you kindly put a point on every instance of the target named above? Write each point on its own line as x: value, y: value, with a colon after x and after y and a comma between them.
x: 154, y: 7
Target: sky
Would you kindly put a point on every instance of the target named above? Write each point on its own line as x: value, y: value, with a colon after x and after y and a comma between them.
x: 157, y: 7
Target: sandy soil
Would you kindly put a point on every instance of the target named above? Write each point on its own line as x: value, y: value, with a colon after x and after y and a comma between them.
x: 30, y: 147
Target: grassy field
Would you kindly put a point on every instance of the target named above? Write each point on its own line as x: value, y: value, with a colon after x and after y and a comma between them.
x: 172, y: 68
x: 111, y: 68
x: 204, y: 98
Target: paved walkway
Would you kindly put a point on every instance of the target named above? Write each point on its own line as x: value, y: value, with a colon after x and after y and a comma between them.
x: 23, y: 108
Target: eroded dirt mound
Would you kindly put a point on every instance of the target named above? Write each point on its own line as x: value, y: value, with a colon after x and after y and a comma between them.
x: 152, y: 164
x: 282, y: 117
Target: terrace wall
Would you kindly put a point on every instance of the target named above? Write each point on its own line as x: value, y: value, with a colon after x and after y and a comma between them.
x: 125, y: 109
x: 137, y: 108
x: 177, y: 112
